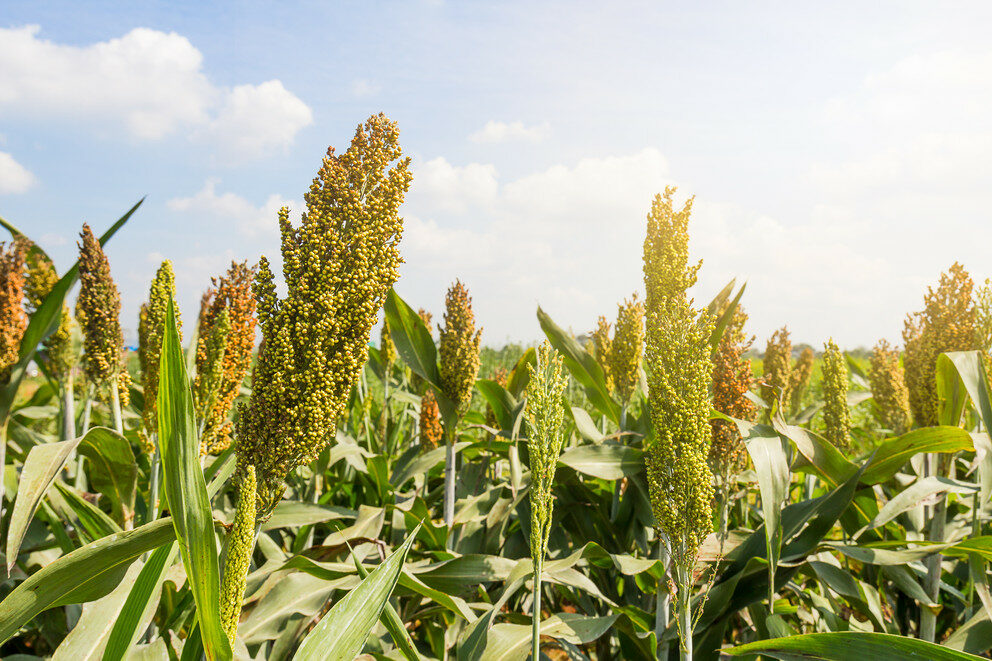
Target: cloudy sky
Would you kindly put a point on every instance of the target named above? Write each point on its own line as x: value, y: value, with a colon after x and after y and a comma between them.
x: 839, y: 153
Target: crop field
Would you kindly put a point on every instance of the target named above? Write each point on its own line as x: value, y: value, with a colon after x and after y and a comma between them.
x: 316, y: 468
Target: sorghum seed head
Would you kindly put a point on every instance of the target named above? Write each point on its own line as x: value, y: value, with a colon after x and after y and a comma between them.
x: 151, y: 331
x: 601, y: 345
x: 732, y: 380
x: 888, y: 389
x: 13, y: 318
x: 98, y: 310
x: 626, y: 347
x: 836, y: 414
x: 459, y: 346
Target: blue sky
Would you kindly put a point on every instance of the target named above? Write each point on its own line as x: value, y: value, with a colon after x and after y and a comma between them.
x: 838, y: 153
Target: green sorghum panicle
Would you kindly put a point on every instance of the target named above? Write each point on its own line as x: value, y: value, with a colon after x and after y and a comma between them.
x: 601, y: 344
x: 459, y: 347
x: 13, y: 319
x: 888, y: 389
x: 679, y: 368
x: 626, y: 347
x: 151, y: 331
x: 983, y: 317
x: 387, y: 350
x: 836, y: 414
x: 777, y: 368
x: 545, y: 412
x: 947, y: 323
x: 98, y: 310
x: 209, y: 373
x: 799, y: 380
x: 338, y: 265
x: 732, y: 380
x: 240, y: 543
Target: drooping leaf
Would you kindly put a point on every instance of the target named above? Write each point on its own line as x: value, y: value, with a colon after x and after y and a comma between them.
x: 845, y: 645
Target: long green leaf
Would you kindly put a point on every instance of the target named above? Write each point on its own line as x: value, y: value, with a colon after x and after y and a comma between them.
x: 340, y: 635
x: 86, y: 574
x: 147, y: 585
x: 846, y: 645
x: 186, y: 490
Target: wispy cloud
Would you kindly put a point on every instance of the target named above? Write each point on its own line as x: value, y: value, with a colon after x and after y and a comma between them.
x: 496, y: 132
x: 232, y: 211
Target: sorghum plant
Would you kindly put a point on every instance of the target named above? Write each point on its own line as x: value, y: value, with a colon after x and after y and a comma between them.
x: 799, y: 380
x: 545, y: 412
x: 626, y: 347
x: 98, y: 311
x: 151, y: 330
x: 777, y: 368
x: 601, y: 344
x: 458, y: 365
x: 338, y: 265
x: 888, y: 389
x: 679, y: 367
x: 836, y: 414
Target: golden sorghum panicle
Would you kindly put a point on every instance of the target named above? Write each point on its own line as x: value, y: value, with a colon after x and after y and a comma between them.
x: 227, y: 309
x: 98, y: 310
x: 338, y: 266
x: 888, y: 389
x: 799, y: 381
x: 626, y: 348
x: 732, y: 380
x: 13, y: 318
x: 679, y: 368
x: 947, y: 323
x: 425, y: 317
x: 151, y: 330
x: 777, y: 368
x: 459, y: 346
x: 545, y: 412
x: 431, y: 431
x: 601, y: 344
x: 241, y: 542
x: 387, y: 350
x: 836, y: 414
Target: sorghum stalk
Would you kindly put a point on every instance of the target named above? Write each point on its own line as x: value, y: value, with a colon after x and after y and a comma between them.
x: 387, y: 355
x: 545, y: 413
x: 836, y: 414
x: 888, y: 389
x: 679, y: 368
x: 338, y: 265
x: 227, y: 310
x: 98, y: 309
x: 458, y: 365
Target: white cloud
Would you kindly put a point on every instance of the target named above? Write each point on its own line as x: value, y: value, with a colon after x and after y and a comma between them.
x: 363, y: 87
x: 494, y: 132
x: 441, y: 185
x: 151, y: 81
x: 14, y: 177
x: 231, y: 210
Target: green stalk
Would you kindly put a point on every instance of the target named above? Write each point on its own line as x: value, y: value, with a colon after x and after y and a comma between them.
x: 928, y: 619
x: 661, y: 613
x: 115, y: 406
x: 3, y: 460
x: 536, y: 612
x: 684, y: 605
x: 80, y: 482
x: 68, y: 409
x: 615, y: 506
x: 154, y: 481
x: 449, y: 479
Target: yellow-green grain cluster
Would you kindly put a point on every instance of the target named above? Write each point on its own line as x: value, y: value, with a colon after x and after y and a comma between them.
x: 946, y: 323
x: 338, y: 265
x: 240, y: 544
x: 799, y: 379
x: 459, y: 347
x: 626, y: 348
x: 836, y: 414
x: 888, y: 389
x: 679, y: 368
x: 98, y: 310
x: 545, y: 413
x: 387, y: 349
x: 601, y: 345
x: 151, y: 331
x: 776, y: 379
x: 732, y: 381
